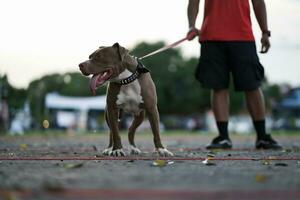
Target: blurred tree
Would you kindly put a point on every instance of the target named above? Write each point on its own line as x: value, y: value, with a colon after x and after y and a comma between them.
x: 75, y: 84
x: 272, y: 95
x: 15, y: 97
x: 274, y: 92
x: 11, y: 100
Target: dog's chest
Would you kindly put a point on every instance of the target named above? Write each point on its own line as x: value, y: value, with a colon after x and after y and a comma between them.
x: 129, y: 98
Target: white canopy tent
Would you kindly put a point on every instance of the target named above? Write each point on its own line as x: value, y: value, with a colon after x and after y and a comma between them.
x: 56, y: 101
x: 79, y: 107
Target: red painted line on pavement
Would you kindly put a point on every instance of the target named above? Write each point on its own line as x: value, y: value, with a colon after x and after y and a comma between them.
x: 204, y: 149
x: 91, y: 149
x: 58, y: 158
x: 79, y: 193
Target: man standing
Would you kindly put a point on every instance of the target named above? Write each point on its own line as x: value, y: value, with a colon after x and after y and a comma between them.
x: 228, y: 50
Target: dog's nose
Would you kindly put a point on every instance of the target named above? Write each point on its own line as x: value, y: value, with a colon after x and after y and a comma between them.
x: 82, y: 69
x: 81, y: 66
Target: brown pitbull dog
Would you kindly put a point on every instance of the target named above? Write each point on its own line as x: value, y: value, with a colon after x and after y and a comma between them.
x: 135, y: 94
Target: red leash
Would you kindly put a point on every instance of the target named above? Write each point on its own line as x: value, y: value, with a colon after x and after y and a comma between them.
x: 164, y: 48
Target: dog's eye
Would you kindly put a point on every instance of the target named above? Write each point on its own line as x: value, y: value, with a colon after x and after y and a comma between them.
x: 96, y: 57
x: 94, y: 54
x: 99, y: 56
x: 91, y: 56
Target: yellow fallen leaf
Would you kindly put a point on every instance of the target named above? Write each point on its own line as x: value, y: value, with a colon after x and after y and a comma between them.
x: 72, y: 166
x: 206, y: 161
x: 259, y: 178
x: 159, y: 163
x: 265, y: 162
x: 23, y: 146
x: 162, y: 163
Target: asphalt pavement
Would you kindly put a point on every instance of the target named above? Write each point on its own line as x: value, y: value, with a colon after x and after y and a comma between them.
x: 72, y: 167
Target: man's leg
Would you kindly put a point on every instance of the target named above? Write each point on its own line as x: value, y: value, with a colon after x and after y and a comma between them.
x: 220, y: 104
x: 255, y: 104
x: 213, y: 72
x: 256, y: 108
x: 220, y: 107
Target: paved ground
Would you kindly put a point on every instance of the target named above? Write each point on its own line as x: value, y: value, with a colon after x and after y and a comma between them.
x: 70, y: 167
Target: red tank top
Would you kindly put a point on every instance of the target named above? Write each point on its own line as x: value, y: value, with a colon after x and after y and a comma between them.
x: 226, y: 20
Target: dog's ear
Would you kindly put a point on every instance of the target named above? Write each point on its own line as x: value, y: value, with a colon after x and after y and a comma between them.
x: 120, y: 50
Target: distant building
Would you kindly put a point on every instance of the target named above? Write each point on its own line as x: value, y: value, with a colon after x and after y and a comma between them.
x: 287, y: 111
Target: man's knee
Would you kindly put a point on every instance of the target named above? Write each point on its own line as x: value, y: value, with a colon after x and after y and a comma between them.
x: 253, y: 93
x: 220, y: 92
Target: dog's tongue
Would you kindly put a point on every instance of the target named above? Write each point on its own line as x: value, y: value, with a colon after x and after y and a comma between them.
x: 97, y: 80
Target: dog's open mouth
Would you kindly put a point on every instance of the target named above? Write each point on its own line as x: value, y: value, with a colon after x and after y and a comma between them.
x: 99, y: 79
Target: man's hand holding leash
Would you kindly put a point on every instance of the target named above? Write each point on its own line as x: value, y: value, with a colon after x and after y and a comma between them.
x: 192, y: 33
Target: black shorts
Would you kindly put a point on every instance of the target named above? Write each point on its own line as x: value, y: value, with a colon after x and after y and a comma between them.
x: 220, y: 59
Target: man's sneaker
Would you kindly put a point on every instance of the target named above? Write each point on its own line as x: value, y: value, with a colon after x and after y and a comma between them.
x: 220, y: 143
x: 267, y: 143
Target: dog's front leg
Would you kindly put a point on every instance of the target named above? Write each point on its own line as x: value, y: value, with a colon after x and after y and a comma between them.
x: 112, y: 117
x: 108, y: 150
x: 153, y: 116
x: 149, y: 95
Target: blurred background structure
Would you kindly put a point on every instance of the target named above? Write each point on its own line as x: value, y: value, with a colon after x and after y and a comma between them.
x: 41, y: 87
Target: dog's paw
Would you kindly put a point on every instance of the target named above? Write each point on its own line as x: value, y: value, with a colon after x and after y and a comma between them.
x: 163, y: 152
x: 117, y: 153
x: 107, y: 151
x: 134, y: 150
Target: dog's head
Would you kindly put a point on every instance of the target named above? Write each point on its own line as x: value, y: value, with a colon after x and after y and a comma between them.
x: 104, y: 64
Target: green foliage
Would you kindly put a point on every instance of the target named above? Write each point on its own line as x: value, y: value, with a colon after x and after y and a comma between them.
x: 272, y: 95
x: 75, y: 84
x: 15, y: 97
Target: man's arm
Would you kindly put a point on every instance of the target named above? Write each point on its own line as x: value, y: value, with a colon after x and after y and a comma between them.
x: 260, y: 11
x: 192, y: 12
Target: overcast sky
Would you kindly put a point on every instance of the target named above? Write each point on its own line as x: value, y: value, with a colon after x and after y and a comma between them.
x: 39, y: 37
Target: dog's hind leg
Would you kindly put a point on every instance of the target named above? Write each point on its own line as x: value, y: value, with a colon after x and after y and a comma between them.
x: 137, y: 120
